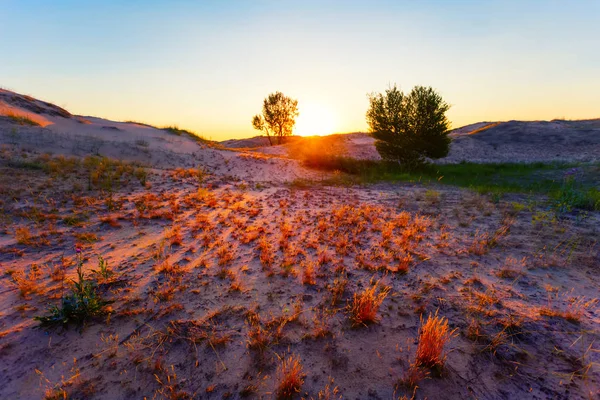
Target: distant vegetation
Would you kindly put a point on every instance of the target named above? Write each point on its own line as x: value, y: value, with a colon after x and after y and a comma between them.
x: 278, y: 116
x: 174, y: 129
x: 409, y: 128
x: 569, y: 185
x: 22, y: 120
x: 101, y: 172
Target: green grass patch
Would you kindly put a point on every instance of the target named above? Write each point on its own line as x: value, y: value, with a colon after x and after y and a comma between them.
x: 552, y: 179
x: 82, y: 304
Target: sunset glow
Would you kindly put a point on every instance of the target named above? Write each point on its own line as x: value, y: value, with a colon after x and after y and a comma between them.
x: 315, y: 120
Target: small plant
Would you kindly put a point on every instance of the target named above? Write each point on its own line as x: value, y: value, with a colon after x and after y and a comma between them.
x: 337, y: 289
x: 23, y: 236
x: 433, y: 196
x: 413, y: 375
x: 573, y: 195
x: 291, y: 377
x: 87, y: 237
x: 365, y: 305
x: 103, y: 271
x: 433, y: 336
x: 309, y: 275
x: 82, y: 304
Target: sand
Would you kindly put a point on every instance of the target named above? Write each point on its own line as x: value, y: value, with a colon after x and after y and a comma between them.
x: 220, y: 275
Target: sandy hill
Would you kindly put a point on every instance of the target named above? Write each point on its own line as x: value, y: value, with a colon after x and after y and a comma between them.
x: 526, y: 141
x: 34, y: 125
x: 483, y: 142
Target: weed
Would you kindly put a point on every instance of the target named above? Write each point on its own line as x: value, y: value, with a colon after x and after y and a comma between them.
x: 337, y: 289
x: 82, y: 304
x: 103, y: 270
x: 432, y: 196
x: 87, y: 237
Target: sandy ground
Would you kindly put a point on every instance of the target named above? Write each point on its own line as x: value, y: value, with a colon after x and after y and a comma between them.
x: 219, y: 275
x: 200, y: 268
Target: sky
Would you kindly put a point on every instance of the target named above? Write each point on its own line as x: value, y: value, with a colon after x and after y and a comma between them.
x: 207, y: 65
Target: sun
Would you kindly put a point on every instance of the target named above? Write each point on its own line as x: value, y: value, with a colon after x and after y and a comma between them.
x: 315, y: 120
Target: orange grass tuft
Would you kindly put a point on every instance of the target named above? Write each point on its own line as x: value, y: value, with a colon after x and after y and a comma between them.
x: 433, y: 336
x: 365, y: 305
x: 291, y: 377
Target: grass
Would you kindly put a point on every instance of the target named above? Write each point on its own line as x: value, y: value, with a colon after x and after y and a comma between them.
x: 101, y: 172
x: 291, y: 378
x: 22, y: 120
x: 433, y: 336
x: 551, y: 179
x: 365, y: 305
x: 175, y: 130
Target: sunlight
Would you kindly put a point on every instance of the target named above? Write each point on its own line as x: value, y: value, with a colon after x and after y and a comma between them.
x: 315, y: 120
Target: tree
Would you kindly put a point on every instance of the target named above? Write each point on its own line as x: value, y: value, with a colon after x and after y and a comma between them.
x: 409, y: 128
x: 278, y: 117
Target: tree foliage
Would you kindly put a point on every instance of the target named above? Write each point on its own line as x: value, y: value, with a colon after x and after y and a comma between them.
x: 278, y: 116
x: 409, y: 128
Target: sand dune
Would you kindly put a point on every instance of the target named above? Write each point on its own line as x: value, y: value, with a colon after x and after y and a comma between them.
x: 65, y: 134
x: 482, y: 142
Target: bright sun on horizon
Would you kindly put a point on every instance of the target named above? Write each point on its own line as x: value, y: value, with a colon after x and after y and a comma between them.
x: 315, y: 119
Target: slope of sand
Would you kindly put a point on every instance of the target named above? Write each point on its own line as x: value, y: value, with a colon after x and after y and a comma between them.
x: 68, y: 135
x: 527, y: 141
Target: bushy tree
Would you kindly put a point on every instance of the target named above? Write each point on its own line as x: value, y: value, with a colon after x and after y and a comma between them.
x: 278, y: 116
x: 409, y: 128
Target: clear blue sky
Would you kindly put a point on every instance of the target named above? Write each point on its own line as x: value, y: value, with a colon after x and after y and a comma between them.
x: 207, y: 65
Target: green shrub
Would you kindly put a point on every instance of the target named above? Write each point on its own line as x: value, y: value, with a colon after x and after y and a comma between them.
x: 82, y: 304
x: 409, y: 128
x: 572, y: 195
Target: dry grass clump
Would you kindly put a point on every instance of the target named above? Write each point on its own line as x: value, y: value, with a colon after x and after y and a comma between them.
x: 266, y: 252
x: 86, y: 237
x: 512, y: 268
x: 25, y: 237
x: 337, y: 289
x: 330, y: 392
x: 574, y: 311
x: 365, y: 305
x: 174, y: 235
x: 309, y: 274
x: 290, y: 376
x: 433, y: 336
x: 413, y: 375
x: 27, y: 283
